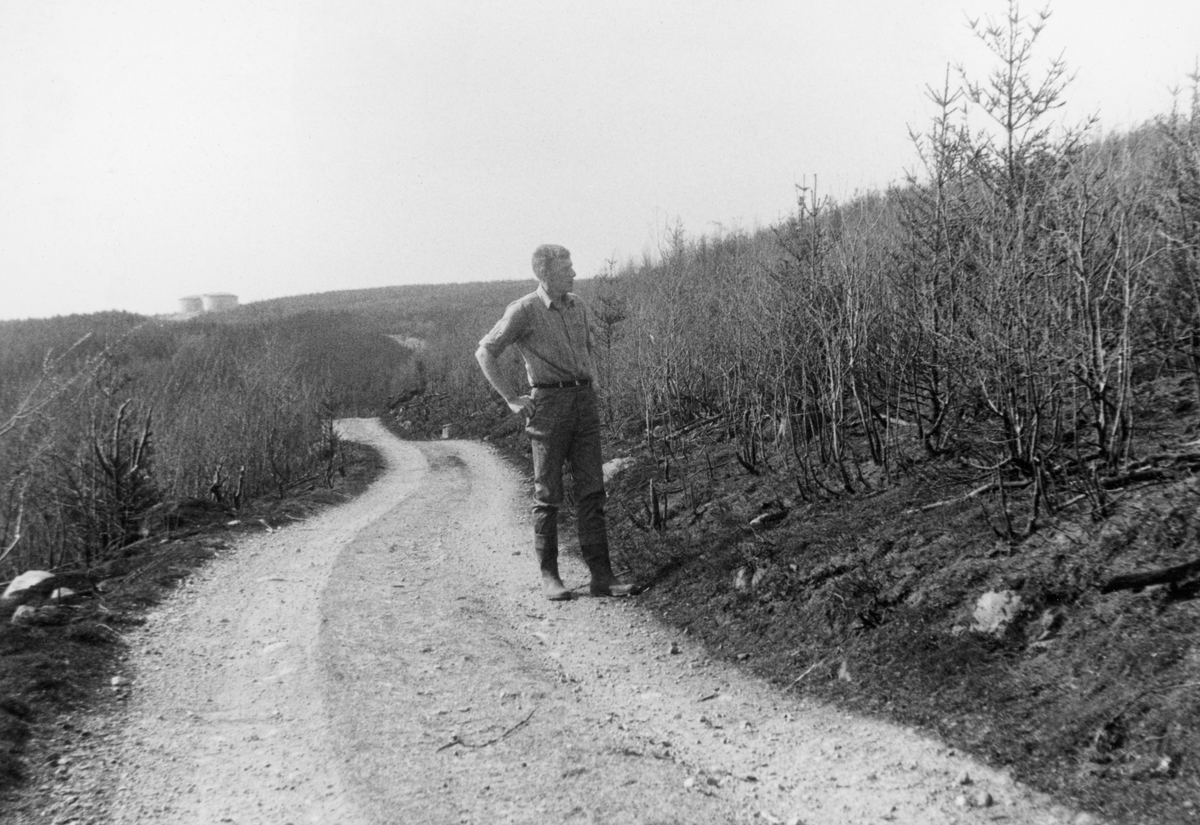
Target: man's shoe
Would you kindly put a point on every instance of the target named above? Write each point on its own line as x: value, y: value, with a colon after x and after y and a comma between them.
x: 604, y: 583
x: 552, y: 586
x: 614, y: 588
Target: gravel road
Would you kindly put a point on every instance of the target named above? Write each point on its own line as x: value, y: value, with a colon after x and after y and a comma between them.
x: 392, y: 661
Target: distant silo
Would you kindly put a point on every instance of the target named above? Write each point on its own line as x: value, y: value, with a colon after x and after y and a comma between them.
x: 191, y: 303
x: 217, y: 301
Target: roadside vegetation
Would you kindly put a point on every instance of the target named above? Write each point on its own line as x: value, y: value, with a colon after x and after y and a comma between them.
x: 847, y: 430
x: 114, y: 426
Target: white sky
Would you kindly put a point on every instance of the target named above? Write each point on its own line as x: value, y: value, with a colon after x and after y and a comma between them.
x: 151, y: 150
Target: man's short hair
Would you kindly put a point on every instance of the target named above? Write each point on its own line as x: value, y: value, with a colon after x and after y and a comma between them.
x: 544, y: 254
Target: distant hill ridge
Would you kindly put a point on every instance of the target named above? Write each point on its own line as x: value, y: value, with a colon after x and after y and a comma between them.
x: 408, y: 300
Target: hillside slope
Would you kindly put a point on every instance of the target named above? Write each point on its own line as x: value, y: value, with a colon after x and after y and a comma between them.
x: 869, y: 601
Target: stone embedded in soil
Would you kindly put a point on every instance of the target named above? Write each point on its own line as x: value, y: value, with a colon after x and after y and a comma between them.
x: 995, y: 611
x: 21, y: 615
x: 964, y: 778
x: 741, y: 578
x: 25, y: 581
x: 983, y: 799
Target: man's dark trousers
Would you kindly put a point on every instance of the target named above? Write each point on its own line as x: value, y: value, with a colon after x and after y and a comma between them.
x: 566, y: 427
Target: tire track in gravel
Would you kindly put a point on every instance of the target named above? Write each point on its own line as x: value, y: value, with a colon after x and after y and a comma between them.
x: 392, y: 661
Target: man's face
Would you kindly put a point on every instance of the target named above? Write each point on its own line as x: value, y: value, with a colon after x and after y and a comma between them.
x: 559, y: 277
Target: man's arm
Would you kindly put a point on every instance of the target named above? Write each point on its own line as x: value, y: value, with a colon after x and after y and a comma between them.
x: 520, y: 404
x: 589, y: 340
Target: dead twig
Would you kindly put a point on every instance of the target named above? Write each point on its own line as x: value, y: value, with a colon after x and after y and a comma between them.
x: 796, y: 681
x: 16, y: 539
x: 946, y: 502
x: 458, y: 740
x: 110, y: 630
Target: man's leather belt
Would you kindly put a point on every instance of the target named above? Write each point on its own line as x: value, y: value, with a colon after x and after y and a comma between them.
x: 582, y: 382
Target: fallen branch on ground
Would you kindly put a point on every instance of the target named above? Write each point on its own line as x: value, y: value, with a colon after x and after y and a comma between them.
x: 1148, y: 474
x: 1165, y: 575
x: 946, y: 502
x: 457, y: 740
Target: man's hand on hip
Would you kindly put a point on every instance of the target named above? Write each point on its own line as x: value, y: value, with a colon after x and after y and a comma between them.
x: 523, y: 406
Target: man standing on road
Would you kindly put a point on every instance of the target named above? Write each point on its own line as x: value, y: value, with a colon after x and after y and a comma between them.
x: 550, y: 328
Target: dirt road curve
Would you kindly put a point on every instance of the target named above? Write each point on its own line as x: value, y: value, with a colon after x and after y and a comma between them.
x: 391, y: 661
